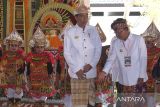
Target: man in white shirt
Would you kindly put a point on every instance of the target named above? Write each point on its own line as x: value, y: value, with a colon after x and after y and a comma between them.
x: 82, y: 50
x: 129, y: 50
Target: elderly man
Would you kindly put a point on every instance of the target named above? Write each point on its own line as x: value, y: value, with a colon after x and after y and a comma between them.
x: 82, y: 50
x: 129, y: 50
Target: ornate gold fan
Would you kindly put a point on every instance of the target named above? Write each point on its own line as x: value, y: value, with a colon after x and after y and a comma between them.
x: 52, y: 12
x: 51, y: 20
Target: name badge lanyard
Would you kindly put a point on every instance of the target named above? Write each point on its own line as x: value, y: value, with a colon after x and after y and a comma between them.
x: 127, y: 58
x: 127, y: 51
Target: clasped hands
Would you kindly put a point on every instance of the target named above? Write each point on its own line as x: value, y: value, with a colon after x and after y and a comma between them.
x: 81, y: 73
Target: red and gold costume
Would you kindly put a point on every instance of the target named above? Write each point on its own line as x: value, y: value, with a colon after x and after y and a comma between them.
x: 153, y: 55
x: 104, y: 88
x: 40, y: 71
x: 65, y: 87
x: 12, y: 68
x: 40, y: 74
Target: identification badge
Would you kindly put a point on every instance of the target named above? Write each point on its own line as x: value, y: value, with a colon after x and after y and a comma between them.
x: 76, y: 37
x: 127, y: 61
x: 121, y: 50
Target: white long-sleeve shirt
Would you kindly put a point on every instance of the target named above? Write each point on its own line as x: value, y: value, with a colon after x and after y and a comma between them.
x: 115, y: 72
x: 82, y: 47
x: 134, y: 47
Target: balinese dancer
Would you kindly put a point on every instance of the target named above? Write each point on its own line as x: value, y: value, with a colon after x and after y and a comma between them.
x: 12, y: 67
x: 153, y: 54
x: 40, y: 71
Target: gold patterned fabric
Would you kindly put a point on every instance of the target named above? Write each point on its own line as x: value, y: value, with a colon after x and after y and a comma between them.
x: 131, y: 92
x: 12, y: 68
x: 153, y: 55
x: 40, y: 80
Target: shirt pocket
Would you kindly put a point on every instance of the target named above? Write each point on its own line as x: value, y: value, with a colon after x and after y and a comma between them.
x: 76, y: 42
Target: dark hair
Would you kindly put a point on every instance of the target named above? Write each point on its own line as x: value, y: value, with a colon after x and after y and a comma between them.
x: 117, y: 21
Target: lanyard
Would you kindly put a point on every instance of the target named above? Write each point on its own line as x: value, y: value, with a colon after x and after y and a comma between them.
x: 126, y: 49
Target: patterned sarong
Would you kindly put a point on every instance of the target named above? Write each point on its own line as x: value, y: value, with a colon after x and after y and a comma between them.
x: 129, y: 95
x: 83, y: 92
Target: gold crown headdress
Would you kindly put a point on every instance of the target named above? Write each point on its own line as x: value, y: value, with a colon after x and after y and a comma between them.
x: 13, y: 38
x: 38, y: 39
x: 152, y: 35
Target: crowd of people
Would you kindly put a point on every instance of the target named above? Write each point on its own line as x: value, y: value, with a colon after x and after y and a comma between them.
x: 131, y: 64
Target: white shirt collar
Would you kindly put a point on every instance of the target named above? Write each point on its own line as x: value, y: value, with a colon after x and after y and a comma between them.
x: 130, y: 36
x: 86, y: 27
x: 128, y: 39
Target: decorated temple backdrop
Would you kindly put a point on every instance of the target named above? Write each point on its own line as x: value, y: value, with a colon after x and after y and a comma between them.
x: 19, y: 14
x: 26, y: 15
x: 53, y: 16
